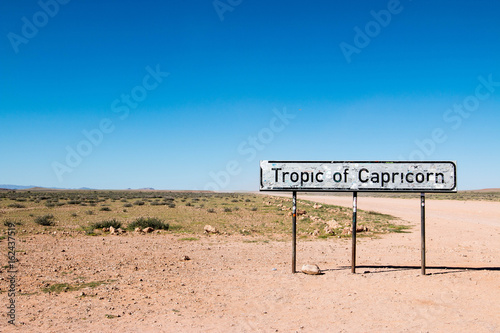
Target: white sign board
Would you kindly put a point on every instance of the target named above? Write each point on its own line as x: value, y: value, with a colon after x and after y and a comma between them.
x: 396, y: 176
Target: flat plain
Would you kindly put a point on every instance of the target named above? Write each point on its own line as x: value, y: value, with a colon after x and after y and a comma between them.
x: 75, y: 277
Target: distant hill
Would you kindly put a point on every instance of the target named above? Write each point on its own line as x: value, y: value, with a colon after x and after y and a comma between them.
x: 16, y: 187
x: 41, y: 188
x: 488, y: 190
x: 36, y: 188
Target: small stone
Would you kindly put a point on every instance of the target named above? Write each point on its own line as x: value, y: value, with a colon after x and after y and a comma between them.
x: 329, y: 231
x: 333, y: 224
x: 346, y: 231
x: 301, y: 212
x: 138, y: 230
x: 185, y: 258
x: 148, y: 230
x: 315, y: 233
x: 208, y: 229
x: 317, y: 206
x: 311, y: 269
x: 112, y: 231
x: 361, y: 228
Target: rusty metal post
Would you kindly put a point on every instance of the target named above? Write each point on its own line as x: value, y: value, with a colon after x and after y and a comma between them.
x: 354, y: 213
x: 294, y: 231
x: 422, y: 229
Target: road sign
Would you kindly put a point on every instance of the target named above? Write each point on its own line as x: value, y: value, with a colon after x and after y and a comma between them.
x: 362, y: 176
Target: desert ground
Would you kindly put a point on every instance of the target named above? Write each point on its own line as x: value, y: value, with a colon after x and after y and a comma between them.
x: 242, y: 282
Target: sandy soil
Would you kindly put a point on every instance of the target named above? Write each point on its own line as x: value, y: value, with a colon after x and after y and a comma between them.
x: 244, y: 284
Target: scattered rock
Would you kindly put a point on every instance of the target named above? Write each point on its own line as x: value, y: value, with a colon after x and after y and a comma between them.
x: 311, y: 269
x: 185, y: 258
x: 112, y: 231
x: 329, y: 231
x: 333, y: 224
x: 317, y: 206
x: 105, y: 229
x: 299, y: 212
x: 208, y: 229
x: 148, y: 230
x: 346, y: 231
x: 121, y: 231
x: 315, y: 232
x: 361, y: 228
x: 138, y: 230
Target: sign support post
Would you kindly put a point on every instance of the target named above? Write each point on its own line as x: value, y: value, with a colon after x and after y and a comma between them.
x: 358, y: 176
x: 422, y: 229
x: 354, y: 214
x: 294, y: 231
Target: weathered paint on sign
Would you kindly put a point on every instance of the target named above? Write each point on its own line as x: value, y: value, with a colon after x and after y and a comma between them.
x: 366, y: 176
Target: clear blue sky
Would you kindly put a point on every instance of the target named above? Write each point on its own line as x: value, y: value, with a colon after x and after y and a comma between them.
x: 359, y: 80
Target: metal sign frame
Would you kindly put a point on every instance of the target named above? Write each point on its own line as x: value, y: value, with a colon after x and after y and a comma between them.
x: 358, y: 185
x: 355, y: 191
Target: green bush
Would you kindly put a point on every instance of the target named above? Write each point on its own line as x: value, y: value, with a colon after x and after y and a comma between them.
x: 139, y: 203
x: 46, y: 220
x: 128, y: 204
x: 16, y: 205
x: 10, y: 222
x: 106, y: 224
x: 144, y: 222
